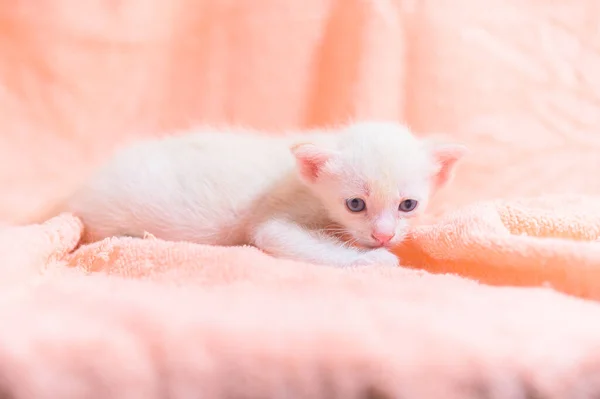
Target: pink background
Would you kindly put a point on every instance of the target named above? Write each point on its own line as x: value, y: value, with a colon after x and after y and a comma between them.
x: 517, y: 81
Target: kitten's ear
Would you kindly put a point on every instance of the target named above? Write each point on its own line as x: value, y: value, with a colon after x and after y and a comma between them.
x: 446, y: 156
x: 310, y: 160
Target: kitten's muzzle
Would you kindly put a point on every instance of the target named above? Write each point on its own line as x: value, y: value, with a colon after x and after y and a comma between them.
x: 382, y: 239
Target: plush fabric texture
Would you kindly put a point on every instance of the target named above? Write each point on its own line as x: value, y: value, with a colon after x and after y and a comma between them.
x: 497, y: 298
x: 145, y: 318
x: 551, y: 241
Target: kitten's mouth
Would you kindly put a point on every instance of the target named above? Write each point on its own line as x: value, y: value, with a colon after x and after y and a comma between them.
x: 375, y: 245
x: 364, y: 243
x: 380, y: 245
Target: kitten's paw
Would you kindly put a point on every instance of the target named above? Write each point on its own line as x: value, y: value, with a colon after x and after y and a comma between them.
x: 378, y: 256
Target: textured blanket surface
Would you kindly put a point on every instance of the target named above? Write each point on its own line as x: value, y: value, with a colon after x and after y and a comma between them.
x: 129, y: 318
x: 497, y: 298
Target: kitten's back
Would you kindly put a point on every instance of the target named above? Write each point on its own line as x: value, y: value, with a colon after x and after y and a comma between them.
x: 196, y: 187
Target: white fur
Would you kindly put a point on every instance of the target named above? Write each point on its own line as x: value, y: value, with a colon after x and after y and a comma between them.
x: 243, y: 187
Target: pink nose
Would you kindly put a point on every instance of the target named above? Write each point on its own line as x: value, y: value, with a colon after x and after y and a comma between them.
x: 383, y: 238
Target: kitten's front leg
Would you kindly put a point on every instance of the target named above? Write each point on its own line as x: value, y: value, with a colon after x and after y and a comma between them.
x: 286, y: 239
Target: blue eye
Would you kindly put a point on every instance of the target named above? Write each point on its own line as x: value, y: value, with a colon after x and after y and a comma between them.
x: 408, y: 205
x: 355, y: 205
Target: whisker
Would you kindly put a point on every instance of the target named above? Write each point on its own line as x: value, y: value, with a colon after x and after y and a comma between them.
x: 335, y: 232
x: 350, y: 242
x: 340, y: 232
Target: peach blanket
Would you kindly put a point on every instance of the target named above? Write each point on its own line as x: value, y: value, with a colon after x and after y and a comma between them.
x: 517, y: 81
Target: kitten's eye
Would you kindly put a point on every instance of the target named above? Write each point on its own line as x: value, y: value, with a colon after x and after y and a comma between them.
x: 408, y: 205
x: 355, y: 205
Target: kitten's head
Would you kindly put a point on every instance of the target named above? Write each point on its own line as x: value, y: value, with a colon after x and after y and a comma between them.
x: 375, y: 176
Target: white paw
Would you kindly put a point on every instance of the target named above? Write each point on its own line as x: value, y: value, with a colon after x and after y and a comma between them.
x: 379, y: 256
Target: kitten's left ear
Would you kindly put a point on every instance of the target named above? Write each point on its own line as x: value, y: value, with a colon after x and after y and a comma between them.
x: 311, y: 160
x: 446, y: 156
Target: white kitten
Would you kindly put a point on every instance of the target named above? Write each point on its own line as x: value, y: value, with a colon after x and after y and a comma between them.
x: 314, y: 197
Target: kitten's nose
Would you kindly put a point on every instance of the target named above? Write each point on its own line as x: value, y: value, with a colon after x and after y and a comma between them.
x: 383, y: 238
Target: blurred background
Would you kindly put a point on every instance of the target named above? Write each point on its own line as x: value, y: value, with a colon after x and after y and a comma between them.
x: 518, y: 81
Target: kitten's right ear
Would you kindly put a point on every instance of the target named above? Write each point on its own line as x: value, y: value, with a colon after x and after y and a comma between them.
x: 310, y: 160
x: 446, y: 157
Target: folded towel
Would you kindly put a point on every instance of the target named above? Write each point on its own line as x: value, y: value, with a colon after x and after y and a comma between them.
x: 545, y: 241
x: 143, y: 318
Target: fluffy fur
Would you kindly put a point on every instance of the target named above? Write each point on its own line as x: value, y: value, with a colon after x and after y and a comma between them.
x: 284, y: 194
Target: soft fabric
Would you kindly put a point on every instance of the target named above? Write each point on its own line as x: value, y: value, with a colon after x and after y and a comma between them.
x: 516, y: 81
x: 144, y: 318
x: 551, y: 241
